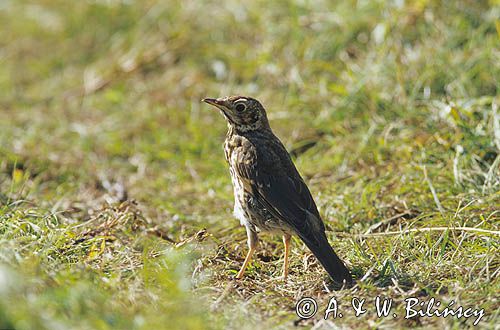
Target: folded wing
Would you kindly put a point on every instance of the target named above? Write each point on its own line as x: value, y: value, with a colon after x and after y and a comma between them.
x: 278, y: 186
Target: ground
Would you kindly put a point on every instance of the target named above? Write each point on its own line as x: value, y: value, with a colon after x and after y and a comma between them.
x: 116, y: 202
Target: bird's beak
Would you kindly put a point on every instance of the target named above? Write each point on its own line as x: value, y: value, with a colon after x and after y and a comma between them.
x: 215, y: 102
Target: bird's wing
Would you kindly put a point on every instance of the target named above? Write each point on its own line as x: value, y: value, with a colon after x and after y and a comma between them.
x: 278, y: 186
x: 272, y: 178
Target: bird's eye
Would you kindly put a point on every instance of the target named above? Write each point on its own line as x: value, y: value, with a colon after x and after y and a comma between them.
x: 240, y: 107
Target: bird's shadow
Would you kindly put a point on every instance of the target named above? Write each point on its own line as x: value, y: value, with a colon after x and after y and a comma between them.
x: 389, y: 277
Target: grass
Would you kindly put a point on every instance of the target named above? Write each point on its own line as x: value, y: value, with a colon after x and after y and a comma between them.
x: 115, y: 199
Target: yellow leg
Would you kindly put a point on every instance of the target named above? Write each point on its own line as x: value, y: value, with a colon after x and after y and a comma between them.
x: 245, y: 264
x: 286, y: 241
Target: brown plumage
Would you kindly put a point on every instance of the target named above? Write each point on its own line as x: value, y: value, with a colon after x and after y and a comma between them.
x: 270, y: 195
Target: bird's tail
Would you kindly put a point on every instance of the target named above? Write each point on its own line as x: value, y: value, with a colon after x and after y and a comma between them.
x: 328, y: 258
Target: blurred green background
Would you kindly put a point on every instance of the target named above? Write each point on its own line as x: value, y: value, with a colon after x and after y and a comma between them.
x: 115, y: 199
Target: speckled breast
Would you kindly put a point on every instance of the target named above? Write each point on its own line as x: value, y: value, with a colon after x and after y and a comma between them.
x: 251, y: 212
x: 247, y: 207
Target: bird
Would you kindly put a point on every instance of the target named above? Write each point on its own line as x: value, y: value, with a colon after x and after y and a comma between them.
x: 269, y: 193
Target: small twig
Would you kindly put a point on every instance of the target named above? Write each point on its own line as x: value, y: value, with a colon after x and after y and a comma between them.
x: 460, y: 209
x: 368, y: 273
x: 491, y: 174
x: 433, y: 191
x: 229, y: 287
x: 418, y: 230
x: 383, y: 222
x: 156, y: 231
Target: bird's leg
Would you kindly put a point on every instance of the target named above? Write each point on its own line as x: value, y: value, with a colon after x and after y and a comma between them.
x: 252, y: 244
x: 245, y: 264
x: 286, y: 241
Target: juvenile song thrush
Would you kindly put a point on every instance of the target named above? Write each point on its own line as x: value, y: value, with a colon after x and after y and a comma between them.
x: 269, y: 193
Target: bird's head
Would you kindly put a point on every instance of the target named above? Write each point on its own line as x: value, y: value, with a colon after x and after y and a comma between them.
x: 242, y: 112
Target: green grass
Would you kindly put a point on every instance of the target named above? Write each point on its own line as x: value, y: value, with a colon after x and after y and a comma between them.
x: 115, y: 199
